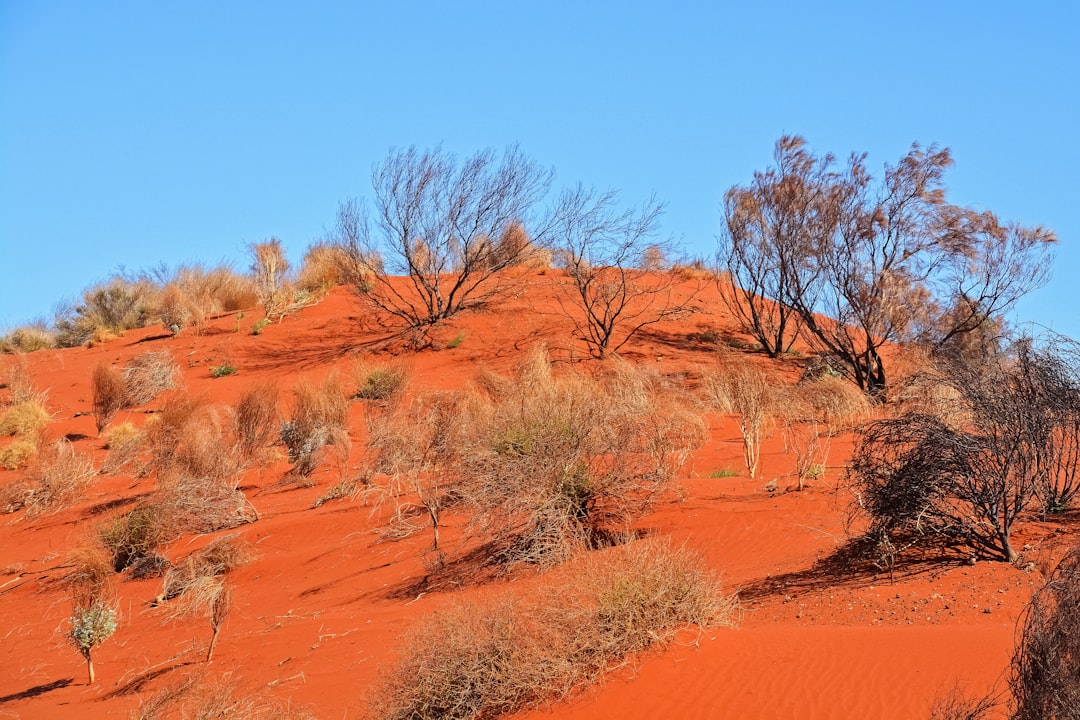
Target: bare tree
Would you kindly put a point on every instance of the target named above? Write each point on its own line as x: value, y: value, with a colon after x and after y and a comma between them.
x: 765, y: 244
x: 438, y: 223
x: 615, y: 262
x: 972, y: 471
x: 892, y: 260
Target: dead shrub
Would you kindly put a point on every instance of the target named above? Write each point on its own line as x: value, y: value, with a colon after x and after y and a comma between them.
x: 557, y: 463
x: 324, y: 266
x: 811, y: 412
x: 745, y: 391
x: 319, y: 421
x: 1045, y: 679
x: 107, y: 310
x: 189, y: 437
x: 59, y: 479
x: 198, y: 586
x: 217, y: 558
x: 256, y: 419
x: 380, y: 381
x: 124, y: 443
x: 203, y: 504
x: 13, y: 495
x: 482, y: 660
x: 194, y: 294
x: 269, y: 268
x: 20, y: 385
x: 108, y: 392
x: 27, y: 419
x: 148, y: 375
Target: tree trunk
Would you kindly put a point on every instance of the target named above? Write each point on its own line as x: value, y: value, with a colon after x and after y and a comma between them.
x: 89, y: 668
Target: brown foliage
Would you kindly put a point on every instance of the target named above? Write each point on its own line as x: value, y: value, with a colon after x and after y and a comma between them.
x: 109, y: 394
x: 256, y: 419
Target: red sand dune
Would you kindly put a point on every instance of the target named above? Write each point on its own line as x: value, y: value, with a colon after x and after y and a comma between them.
x: 323, y: 605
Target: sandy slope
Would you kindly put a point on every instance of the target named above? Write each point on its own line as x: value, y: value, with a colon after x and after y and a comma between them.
x: 322, y: 606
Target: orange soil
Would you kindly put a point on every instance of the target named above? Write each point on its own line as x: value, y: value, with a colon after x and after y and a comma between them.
x: 322, y: 607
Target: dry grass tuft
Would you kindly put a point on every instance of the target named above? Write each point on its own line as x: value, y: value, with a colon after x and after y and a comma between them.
x: 319, y: 421
x: 137, y: 534
x: 59, y: 479
x: 17, y: 453
x: 124, y: 442
x: 482, y: 660
x: 28, y: 338
x: 26, y: 419
x: 148, y: 375
x: 380, y: 381
x: 20, y: 385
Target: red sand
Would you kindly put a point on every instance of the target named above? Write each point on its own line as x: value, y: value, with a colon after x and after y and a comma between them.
x: 322, y: 606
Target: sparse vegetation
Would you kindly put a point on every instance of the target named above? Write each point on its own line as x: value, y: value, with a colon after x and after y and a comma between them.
x: 94, y: 617
x: 381, y: 381
x: 745, y: 391
x: 319, y: 420
x: 222, y: 370
x: 148, y: 375
x: 483, y: 660
x: 109, y: 394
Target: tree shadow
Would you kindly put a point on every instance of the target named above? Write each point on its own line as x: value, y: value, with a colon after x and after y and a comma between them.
x: 853, y: 563
x: 36, y: 690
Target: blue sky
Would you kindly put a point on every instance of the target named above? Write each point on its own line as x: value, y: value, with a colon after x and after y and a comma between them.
x: 134, y: 133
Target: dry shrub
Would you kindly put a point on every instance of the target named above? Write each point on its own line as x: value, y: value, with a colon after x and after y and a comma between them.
x: 745, y: 391
x: 557, y: 463
x: 324, y: 266
x: 516, y: 249
x: 13, y: 495
x: 202, y: 696
x: 269, y: 268
x: 18, y: 453
x: 189, y: 437
x: 20, y: 385
x: 319, y: 420
x: 28, y: 338
x: 108, y: 392
x: 124, y: 443
x: 380, y: 381
x: 203, y: 504
x: 197, y: 585
x: 137, y: 534
x: 217, y: 558
x: 194, y: 294
x: 26, y: 419
x: 811, y: 413
x: 1045, y: 678
x: 256, y: 419
x: 59, y: 479
x: 482, y: 660
x: 148, y: 375
x: 107, y: 310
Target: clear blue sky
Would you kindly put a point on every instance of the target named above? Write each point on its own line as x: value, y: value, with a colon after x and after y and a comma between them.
x: 133, y: 133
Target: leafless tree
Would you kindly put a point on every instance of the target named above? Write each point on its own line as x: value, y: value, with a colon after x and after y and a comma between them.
x: 615, y: 261
x: 439, y: 223
x: 893, y: 261
x: 765, y: 244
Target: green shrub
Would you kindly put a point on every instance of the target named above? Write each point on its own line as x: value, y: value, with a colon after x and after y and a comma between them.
x: 222, y: 370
